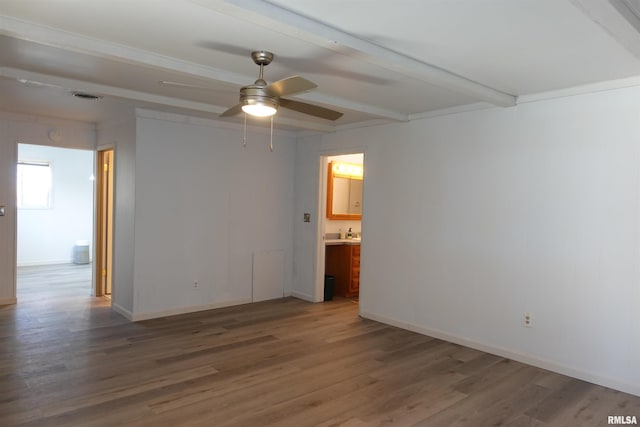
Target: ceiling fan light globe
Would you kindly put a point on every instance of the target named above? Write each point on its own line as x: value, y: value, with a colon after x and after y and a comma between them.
x: 259, y: 110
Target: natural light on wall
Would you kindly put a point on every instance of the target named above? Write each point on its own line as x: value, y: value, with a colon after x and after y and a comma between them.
x: 34, y: 185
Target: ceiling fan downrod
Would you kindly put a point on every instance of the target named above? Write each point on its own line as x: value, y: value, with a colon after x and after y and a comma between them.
x: 262, y: 59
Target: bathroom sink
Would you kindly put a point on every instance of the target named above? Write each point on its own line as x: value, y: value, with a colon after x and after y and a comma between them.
x: 342, y: 241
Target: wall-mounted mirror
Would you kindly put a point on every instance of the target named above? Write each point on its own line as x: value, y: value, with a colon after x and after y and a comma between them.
x: 344, y: 191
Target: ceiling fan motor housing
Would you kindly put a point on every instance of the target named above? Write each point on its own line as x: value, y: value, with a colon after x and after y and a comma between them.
x: 256, y: 94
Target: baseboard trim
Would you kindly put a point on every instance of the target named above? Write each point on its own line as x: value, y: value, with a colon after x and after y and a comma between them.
x: 511, y: 354
x: 302, y: 296
x: 8, y: 301
x: 44, y: 263
x: 137, y: 317
x: 123, y: 311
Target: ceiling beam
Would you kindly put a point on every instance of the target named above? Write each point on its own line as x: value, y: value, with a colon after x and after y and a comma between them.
x: 619, y: 18
x: 105, y: 49
x: 69, y: 85
x: 286, y: 22
x: 52, y: 37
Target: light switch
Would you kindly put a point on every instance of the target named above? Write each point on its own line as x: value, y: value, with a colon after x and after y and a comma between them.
x: 1, y: 210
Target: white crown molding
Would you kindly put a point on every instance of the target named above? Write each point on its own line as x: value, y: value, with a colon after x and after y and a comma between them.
x: 581, y: 90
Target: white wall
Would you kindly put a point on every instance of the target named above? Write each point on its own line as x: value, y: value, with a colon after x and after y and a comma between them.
x: 119, y: 134
x: 8, y: 159
x: 474, y: 218
x: 307, y: 199
x: 47, y: 236
x: 14, y: 129
x: 204, y: 205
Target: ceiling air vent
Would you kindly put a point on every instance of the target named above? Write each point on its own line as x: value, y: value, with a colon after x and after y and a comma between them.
x: 85, y: 95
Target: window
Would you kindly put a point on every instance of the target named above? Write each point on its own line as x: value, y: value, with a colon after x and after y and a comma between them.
x: 34, y: 184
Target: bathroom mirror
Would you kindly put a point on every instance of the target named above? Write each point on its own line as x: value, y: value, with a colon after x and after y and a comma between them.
x: 344, y: 191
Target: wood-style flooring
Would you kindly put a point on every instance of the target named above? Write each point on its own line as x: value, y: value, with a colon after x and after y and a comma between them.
x: 58, y: 282
x: 66, y: 359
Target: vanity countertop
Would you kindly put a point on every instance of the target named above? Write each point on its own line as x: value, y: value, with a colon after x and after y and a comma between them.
x: 342, y: 241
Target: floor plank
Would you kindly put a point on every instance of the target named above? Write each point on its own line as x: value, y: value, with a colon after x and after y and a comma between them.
x: 66, y: 359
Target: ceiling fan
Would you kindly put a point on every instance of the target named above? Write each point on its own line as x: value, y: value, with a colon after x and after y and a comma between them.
x: 262, y: 100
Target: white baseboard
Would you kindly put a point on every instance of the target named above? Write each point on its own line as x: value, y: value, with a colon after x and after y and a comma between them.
x: 121, y: 310
x: 8, y: 301
x: 511, y: 354
x: 302, y: 296
x: 136, y: 317
x: 41, y: 263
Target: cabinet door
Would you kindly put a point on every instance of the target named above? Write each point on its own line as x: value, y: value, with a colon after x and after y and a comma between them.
x: 355, y: 196
x: 354, y: 282
x: 343, y: 262
x: 337, y: 264
x: 354, y: 286
x: 341, y: 201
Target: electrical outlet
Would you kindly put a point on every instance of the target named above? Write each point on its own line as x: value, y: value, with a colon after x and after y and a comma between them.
x: 527, y: 320
x: 307, y: 217
x: 195, y: 284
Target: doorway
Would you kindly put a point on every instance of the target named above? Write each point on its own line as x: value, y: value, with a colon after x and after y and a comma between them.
x: 54, y: 229
x: 104, y: 223
x: 343, y: 230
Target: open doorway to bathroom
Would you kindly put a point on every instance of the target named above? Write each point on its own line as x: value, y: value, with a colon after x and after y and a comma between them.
x: 341, y: 227
x: 54, y: 221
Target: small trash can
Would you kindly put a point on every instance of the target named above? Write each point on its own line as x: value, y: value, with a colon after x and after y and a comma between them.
x: 329, y: 284
x: 81, y: 252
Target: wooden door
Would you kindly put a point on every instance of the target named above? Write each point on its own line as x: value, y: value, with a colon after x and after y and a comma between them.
x: 104, y: 223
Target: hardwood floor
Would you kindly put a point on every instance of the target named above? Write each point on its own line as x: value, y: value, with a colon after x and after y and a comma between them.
x: 68, y: 360
x: 57, y: 281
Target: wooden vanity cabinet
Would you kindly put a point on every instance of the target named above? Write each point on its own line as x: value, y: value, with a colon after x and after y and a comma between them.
x: 343, y: 262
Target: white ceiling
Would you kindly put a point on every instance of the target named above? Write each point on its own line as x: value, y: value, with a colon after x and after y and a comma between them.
x: 373, y: 60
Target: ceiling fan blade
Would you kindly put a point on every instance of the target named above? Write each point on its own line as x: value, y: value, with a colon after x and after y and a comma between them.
x: 290, y: 85
x: 236, y: 109
x: 312, y: 110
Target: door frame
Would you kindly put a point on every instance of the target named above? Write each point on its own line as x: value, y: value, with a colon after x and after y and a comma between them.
x: 14, y: 263
x: 103, y: 248
x: 318, y: 294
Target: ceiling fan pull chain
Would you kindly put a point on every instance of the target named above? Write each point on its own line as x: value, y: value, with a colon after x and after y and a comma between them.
x: 271, y: 136
x: 244, y: 135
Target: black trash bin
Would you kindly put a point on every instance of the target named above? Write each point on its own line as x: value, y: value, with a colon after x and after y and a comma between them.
x: 329, y: 284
